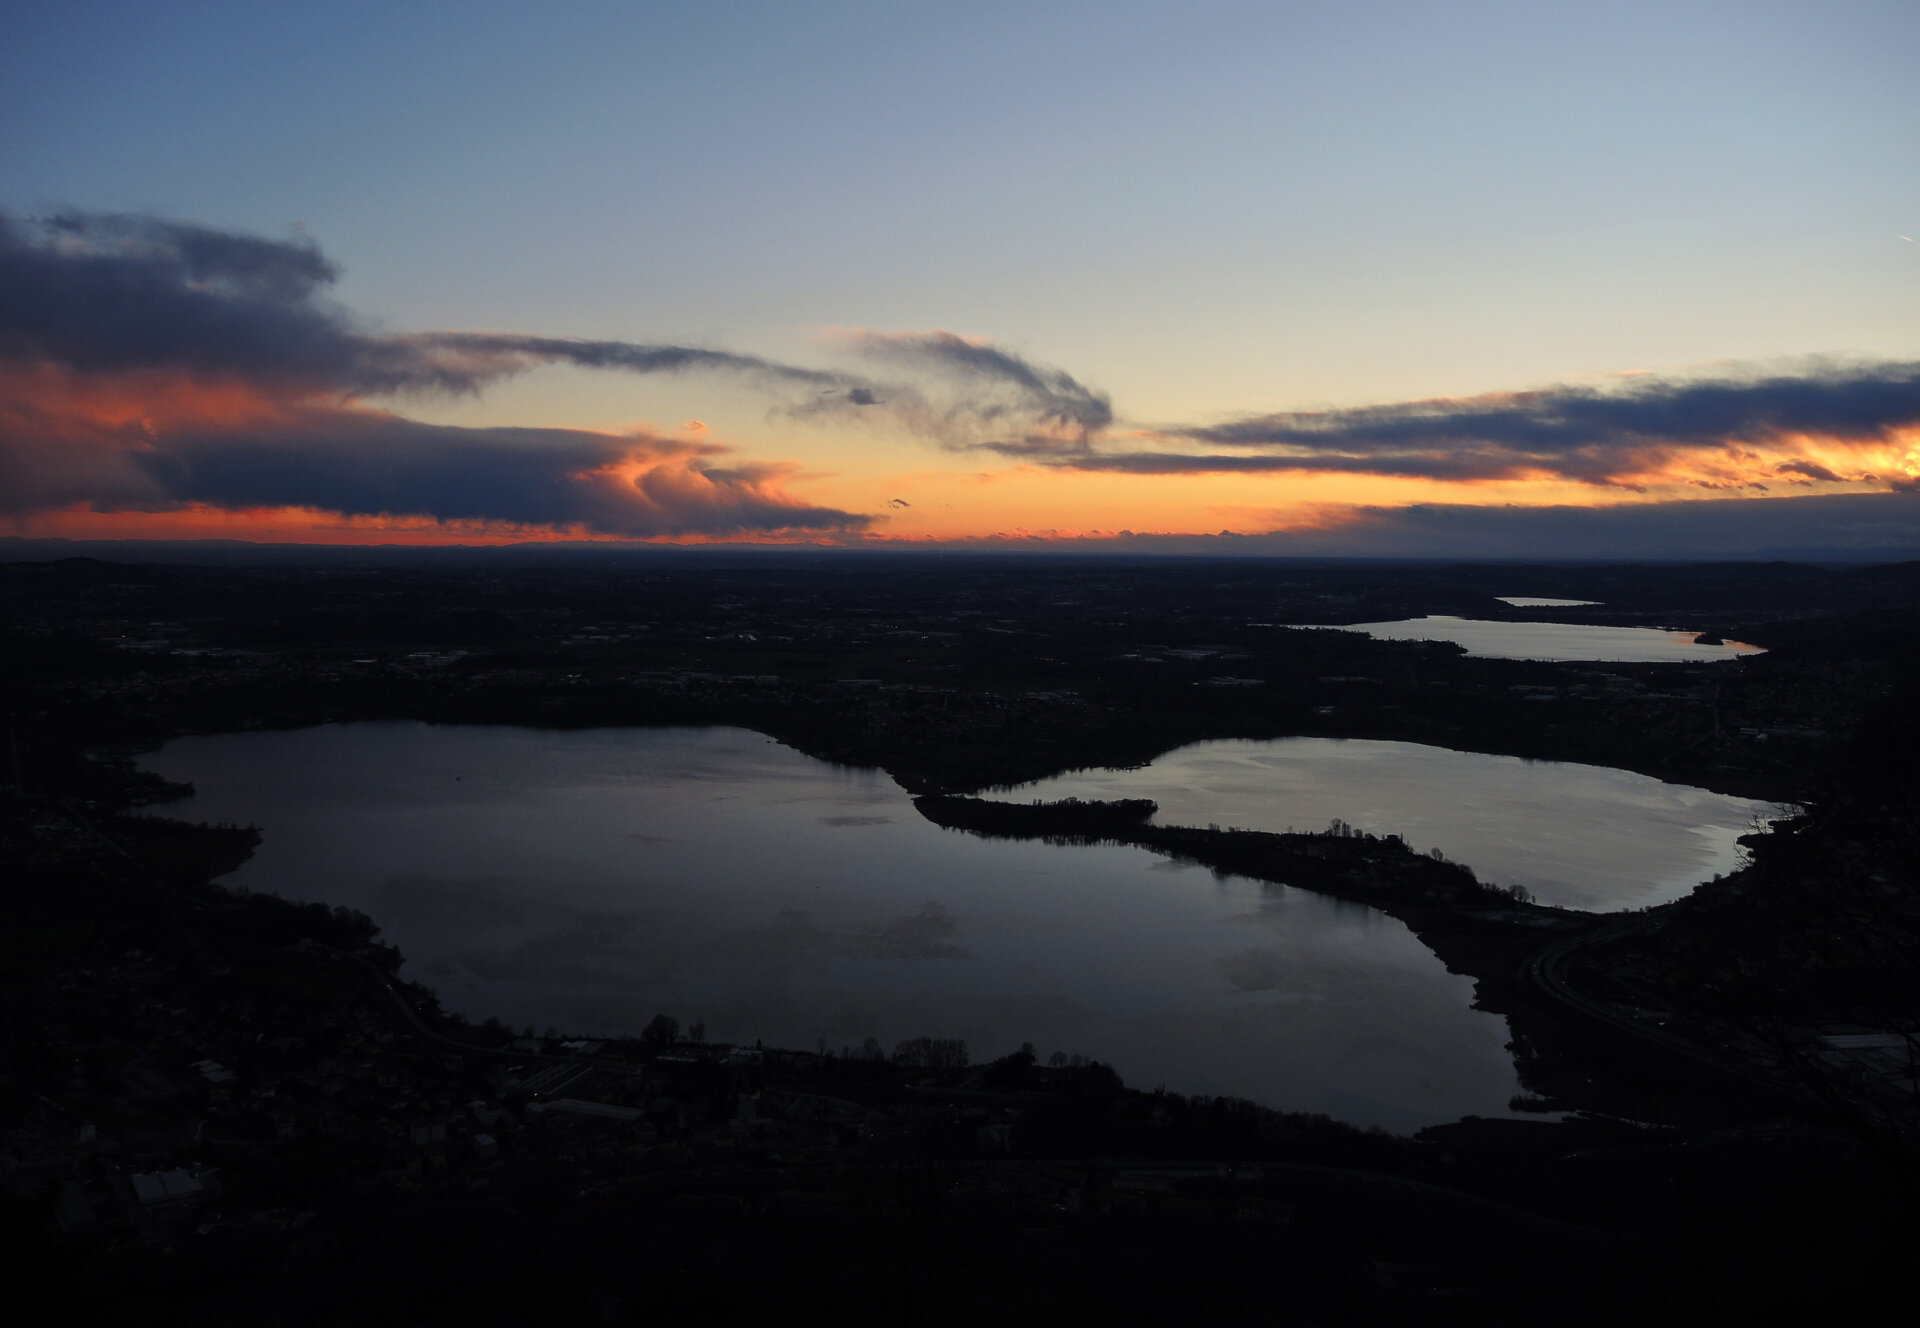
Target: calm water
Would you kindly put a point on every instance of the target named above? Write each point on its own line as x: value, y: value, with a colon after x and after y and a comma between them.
x: 1581, y: 836
x: 589, y: 880
x: 1555, y: 641
x: 1544, y: 602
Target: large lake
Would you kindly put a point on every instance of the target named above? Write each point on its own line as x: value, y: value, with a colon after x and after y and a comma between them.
x: 589, y: 880
x: 1491, y: 639
x: 1581, y: 836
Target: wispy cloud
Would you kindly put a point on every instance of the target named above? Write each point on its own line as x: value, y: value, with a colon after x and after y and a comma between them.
x: 998, y: 399
x: 115, y: 293
x: 467, y: 361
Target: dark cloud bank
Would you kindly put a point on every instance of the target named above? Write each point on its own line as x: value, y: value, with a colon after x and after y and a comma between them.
x: 117, y: 297
x: 119, y: 293
x: 1582, y: 433
x: 1862, y: 526
x: 1573, y: 433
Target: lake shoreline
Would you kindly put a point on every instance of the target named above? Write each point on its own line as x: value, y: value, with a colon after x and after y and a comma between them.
x: 1477, y: 930
x: 1544, y: 641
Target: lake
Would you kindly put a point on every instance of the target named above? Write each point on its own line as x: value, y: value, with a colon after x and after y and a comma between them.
x: 588, y: 880
x: 1580, y: 836
x: 1555, y: 641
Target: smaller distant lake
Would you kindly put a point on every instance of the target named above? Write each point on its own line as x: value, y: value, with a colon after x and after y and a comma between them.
x: 1580, y: 836
x: 1543, y: 602
x: 1555, y: 641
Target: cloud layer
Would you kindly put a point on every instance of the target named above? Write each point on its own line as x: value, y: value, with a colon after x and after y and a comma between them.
x: 1734, y: 432
x: 147, y: 364
x: 1592, y: 436
x: 109, y: 294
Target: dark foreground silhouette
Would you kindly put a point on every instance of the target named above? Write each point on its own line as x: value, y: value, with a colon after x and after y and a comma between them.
x: 225, y: 1109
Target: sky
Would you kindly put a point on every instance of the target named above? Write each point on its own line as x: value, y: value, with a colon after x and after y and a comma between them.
x: 1413, y: 279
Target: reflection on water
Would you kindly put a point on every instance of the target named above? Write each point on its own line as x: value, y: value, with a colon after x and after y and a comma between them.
x: 1555, y: 641
x: 1544, y: 602
x: 1580, y: 836
x: 589, y: 880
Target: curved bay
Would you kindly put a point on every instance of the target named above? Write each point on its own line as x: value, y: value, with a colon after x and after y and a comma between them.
x: 1580, y: 836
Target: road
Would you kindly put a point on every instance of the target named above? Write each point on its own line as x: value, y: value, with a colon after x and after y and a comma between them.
x: 1546, y: 969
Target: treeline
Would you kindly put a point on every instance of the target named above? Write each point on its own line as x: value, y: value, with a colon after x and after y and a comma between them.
x: 1068, y: 818
x: 1341, y: 860
x: 932, y: 1053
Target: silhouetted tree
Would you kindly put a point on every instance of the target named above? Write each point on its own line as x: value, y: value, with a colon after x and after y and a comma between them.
x: 660, y: 1032
x: 932, y: 1053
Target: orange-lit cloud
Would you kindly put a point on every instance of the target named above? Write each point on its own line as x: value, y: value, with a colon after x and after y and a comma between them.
x: 106, y: 444
x: 1825, y: 424
x: 150, y: 368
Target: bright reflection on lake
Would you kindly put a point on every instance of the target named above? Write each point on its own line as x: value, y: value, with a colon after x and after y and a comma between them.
x: 1555, y: 641
x: 589, y: 880
x: 1544, y: 602
x: 1581, y: 836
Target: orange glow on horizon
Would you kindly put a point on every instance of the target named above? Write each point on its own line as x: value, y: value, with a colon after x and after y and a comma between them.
x: 306, y: 525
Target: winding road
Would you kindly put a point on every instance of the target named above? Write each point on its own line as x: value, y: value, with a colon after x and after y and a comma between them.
x: 1546, y: 970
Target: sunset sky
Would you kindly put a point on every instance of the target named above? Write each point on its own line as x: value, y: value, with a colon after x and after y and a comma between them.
x: 1440, y: 279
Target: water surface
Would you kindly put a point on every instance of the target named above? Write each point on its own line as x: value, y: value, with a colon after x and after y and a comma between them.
x: 1555, y: 641
x: 589, y: 880
x: 1581, y: 836
x: 1545, y: 602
